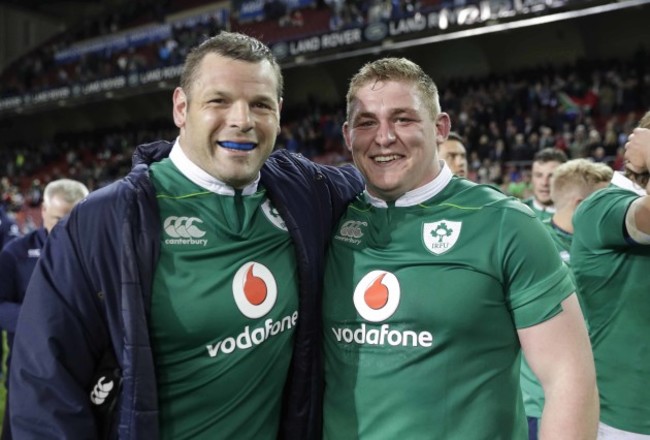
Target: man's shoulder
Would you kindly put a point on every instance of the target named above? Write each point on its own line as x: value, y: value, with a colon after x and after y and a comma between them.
x: 285, y: 164
x: 114, y: 203
x: 469, y: 195
x: 530, y: 202
x: 605, y: 198
x: 17, y: 244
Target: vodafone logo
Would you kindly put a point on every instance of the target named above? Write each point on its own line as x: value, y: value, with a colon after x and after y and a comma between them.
x: 254, y: 290
x: 377, y: 295
x: 376, y: 299
x: 255, y: 293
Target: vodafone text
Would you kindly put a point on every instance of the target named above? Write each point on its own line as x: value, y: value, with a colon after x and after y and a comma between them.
x: 248, y: 338
x: 382, y: 336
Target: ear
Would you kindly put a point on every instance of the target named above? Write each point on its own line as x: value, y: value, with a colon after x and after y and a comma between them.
x: 179, y: 107
x: 346, y: 136
x: 280, y: 114
x: 443, y: 127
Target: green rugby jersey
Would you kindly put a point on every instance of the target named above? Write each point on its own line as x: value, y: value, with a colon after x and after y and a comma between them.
x: 542, y: 212
x: 530, y: 387
x: 613, y: 282
x: 223, y: 312
x: 421, y: 309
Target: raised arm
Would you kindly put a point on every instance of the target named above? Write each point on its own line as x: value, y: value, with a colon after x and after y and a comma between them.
x: 637, y: 156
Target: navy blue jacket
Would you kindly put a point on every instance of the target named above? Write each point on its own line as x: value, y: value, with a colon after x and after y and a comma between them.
x: 17, y: 261
x: 91, y: 292
x: 8, y: 228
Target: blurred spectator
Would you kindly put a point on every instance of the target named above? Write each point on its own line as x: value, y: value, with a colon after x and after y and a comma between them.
x: 453, y: 152
x: 18, y: 258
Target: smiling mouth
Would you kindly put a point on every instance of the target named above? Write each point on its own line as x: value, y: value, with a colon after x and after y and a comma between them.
x: 241, y: 146
x: 386, y: 159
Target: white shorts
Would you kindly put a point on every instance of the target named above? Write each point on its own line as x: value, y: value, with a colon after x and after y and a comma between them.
x: 606, y: 432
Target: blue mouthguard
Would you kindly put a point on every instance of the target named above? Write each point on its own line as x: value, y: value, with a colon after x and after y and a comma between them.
x: 245, y: 146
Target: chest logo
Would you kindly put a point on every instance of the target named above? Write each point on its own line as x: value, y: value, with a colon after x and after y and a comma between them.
x: 273, y: 215
x: 439, y: 237
x: 183, y: 227
x: 376, y: 299
x: 377, y: 296
x: 254, y: 289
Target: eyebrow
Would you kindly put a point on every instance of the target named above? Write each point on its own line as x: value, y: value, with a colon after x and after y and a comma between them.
x: 393, y: 112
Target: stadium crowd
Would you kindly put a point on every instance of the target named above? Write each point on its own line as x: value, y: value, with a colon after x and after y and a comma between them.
x: 585, y: 109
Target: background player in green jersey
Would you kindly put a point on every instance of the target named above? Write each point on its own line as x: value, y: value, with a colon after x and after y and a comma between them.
x: 572, y: 182
x: 610, y: 256
x: 454, y: 153
x: 544, y: 163
x: 433, y: 286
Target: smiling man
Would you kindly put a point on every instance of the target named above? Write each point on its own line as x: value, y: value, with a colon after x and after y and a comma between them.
x: 186, y: 295
x: 431, y: 290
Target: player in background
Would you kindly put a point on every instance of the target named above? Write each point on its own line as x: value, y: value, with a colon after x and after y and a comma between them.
x: 610, y: 257
x: 572, y: 182
x: 545, y: 162
x: 454, y: 153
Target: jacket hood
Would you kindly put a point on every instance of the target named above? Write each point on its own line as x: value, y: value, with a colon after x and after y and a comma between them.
x: 151, y: 152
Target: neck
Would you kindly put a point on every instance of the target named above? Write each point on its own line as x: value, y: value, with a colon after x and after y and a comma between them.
x: 562, y: 219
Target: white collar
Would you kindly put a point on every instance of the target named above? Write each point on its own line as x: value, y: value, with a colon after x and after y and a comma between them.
x: 543, y: 208
x: 619, y: 179
x: 417, y: 195
x: 197, y: 175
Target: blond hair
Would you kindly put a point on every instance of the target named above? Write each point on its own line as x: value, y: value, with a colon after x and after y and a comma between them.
x: 578, y: 178
x: 395, y: 69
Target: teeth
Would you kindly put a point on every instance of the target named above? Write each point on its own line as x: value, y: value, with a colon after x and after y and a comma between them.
x: 246, y: 146
x: 386, y: 158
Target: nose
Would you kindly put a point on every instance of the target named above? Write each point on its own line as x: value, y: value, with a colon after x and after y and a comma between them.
x: 385, y: 134
x: 239, y: 115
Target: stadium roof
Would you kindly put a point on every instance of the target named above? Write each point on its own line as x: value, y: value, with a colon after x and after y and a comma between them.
x: 67, y: 12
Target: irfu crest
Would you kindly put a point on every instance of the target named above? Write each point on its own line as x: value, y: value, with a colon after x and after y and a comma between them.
x: 439, y: 237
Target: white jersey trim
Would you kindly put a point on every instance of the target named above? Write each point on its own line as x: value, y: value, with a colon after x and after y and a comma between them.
x: 619, y: 179
x: 630, y: 224
x: 606, y: 432
x: 418, y: 195
x: 543, y: 208
x: 197, y: 175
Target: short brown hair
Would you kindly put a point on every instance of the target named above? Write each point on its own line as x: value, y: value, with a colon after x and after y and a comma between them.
x: 550, y: 155
x: 232, y: 45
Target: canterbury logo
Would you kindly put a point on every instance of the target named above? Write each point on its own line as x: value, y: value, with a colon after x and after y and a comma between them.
x: 183, y: 227
x: 351, y: 231
x: 184, y: 230
x: 101, y: 391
